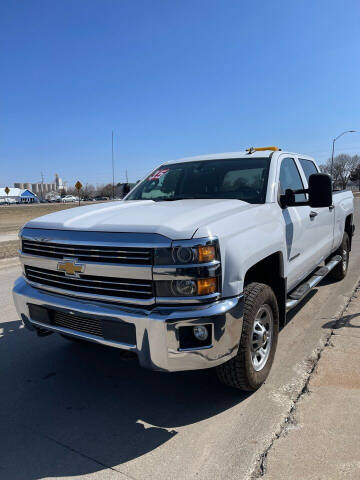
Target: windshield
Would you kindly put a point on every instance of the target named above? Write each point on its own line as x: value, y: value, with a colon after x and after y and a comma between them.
x: 238, y: 178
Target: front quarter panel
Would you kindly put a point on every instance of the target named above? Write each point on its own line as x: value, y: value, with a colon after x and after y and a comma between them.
x: 245, y: 239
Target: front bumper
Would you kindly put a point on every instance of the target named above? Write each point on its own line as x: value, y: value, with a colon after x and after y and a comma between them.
x: 157, y: 331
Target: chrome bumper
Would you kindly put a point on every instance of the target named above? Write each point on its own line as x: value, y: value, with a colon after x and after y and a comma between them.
x: 157, y: 330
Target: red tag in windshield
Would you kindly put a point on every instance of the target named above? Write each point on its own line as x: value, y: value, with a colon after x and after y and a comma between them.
x: 158, y: 174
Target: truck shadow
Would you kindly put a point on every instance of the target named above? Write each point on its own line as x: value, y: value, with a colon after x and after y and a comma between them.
x: 70, y: 409
x: 342, y: 322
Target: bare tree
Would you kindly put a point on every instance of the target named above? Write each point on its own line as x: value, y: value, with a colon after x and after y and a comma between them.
x: 88, y: 191
x: 72, y: 191
x: 355, y: 174
x: 342, y: 168
x: 106, y: 190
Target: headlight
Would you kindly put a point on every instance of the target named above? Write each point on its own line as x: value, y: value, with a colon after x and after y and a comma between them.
x: 183, y: 288
x: 205, y: 286
x: 200, y: 254
x: 188, y: 271
x: 206, y: 253
x: 186, y: 288
x: 185, y: 255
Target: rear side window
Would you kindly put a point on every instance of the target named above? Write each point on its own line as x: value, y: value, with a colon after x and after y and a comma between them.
x: 309, y: 167
x: 290, y: 178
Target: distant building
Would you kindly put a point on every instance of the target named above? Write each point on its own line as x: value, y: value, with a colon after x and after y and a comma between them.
x: 41, y: 189
x: 18, y: 195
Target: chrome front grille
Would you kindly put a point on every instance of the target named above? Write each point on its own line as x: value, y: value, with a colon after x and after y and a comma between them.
x: 89, y: 253
x: 91, y: 284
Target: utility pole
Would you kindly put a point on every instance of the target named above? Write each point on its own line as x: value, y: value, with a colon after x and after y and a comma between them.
x: 112, y: 159
x: 126, y: 175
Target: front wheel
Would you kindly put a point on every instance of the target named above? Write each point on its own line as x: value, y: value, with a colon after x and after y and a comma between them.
x: 250, y: 367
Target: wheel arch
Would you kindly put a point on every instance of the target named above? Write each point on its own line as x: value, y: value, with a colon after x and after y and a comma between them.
x: 270, y: 270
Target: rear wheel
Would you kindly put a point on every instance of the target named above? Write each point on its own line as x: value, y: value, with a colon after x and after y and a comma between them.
x: 250, y: 367
x: 340, y: 271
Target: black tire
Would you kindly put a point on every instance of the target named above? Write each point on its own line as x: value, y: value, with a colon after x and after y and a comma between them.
x: 340, y: 271
x: 239, y: 372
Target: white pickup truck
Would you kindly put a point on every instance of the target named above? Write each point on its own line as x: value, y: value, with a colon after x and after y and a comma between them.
x: 196, y: 267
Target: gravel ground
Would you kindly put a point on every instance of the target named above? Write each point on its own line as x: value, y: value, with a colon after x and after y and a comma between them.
x: 9, y: 249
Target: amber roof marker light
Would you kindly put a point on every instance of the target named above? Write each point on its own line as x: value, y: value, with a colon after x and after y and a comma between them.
x: 262, y: 149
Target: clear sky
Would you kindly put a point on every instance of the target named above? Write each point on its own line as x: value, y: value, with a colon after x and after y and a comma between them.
x: 172, y: 78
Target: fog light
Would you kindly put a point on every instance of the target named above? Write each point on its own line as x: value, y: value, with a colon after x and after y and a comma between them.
x: 201, y: 333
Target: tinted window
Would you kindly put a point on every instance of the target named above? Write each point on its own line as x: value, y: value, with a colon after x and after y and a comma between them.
x: 238, y: 178
x: 309, y: 167
x: 290, y: 178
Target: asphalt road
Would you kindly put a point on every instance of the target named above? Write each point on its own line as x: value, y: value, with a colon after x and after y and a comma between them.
x: 85, y: 411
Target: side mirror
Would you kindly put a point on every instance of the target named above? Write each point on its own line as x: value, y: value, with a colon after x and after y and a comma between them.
x: 320, y: 190
x: 288, y: 198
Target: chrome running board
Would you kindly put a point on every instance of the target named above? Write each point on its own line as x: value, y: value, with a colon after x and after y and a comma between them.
x: 303, y: 289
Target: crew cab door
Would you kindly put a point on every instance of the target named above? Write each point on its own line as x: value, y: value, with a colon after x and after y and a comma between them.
x: 301, y: 232
x: 323, y: 218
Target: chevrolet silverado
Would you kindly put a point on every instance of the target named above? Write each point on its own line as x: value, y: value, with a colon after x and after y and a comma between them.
x: 196, y: 267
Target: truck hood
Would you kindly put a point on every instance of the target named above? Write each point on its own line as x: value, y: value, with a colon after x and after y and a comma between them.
x: 176, y: 220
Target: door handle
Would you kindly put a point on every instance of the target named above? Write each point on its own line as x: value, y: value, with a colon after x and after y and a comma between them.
x: 313, y: 214
x: 331, y: 208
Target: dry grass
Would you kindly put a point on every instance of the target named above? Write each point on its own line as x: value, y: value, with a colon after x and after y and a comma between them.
x: 12, y: 217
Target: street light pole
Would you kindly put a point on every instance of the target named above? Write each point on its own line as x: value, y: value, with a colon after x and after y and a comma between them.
x: 333, y: 147
x: 112, y: 161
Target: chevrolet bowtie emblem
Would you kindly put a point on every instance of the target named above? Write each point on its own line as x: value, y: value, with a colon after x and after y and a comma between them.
x: 71, y: 267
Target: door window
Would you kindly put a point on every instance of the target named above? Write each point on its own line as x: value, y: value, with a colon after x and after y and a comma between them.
x: 308, y: 166
x: 290, y: 178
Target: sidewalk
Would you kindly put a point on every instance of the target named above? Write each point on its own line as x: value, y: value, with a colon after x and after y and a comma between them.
x: 322, y: 440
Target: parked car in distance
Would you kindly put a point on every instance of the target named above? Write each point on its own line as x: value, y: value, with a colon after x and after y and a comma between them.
x: 69, y: 199
x: 53, y: 198
x: 101, y: 199
x: 196, y: 267
x: 8, y: 201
